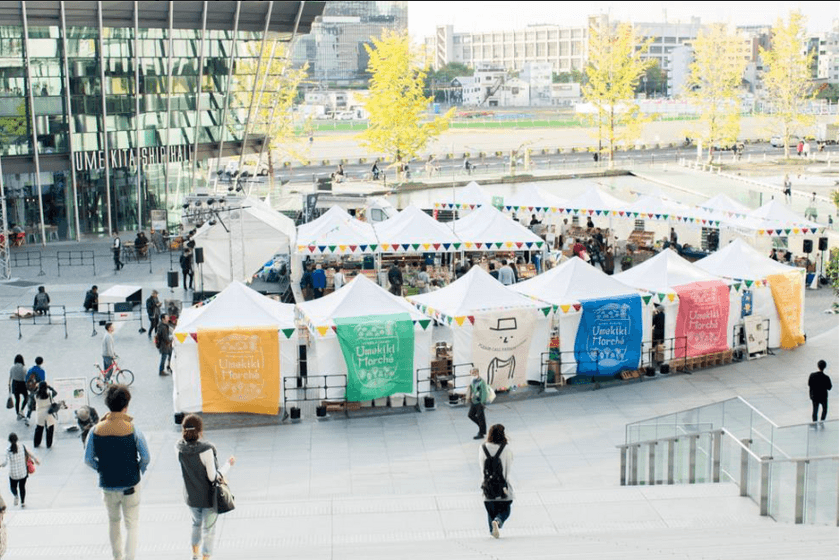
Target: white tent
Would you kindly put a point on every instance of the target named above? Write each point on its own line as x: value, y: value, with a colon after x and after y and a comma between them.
x: 412, y: 231
x: 596, y: 199
x: 336, y: 232
x: 237, y: 306
x: 359, y: 298
x: 240, y: 242
x: 778, y: 213
x: 488, y: 229
x: 477, y: 293
x: 661, y: 208
x: 666, y: 271
x: 567, y: 285
x: 468, y: 197
x: 530, y: 198
x: 725, y: 205
x: 740, y: 262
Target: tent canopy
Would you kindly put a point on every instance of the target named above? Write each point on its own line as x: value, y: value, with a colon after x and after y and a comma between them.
x: 724, y: 204
x: 534, y: 199
x: 778, y: 213
x: 358, y: 298
x: 240, y: 242
x: 661, y: 205
x: 475, y: 291
x: 740, y: 260
x: 237, y: 306
x: 412, y: 226
x: 487, y: 225
x: 471, y: 195
x: 335, y: 228
x: 662, y: 272
x: 596, y: 199
x: 572, y: 281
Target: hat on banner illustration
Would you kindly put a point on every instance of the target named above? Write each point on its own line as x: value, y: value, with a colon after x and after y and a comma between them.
x: 505, y: 324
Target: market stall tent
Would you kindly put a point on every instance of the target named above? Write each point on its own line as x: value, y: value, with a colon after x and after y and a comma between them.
x: 239, y: 241
x: 358, y: 298
x: 667, y: 277
x: 487, y: 229
x: 725, y: 205
x: 476, y: 299
x: 749, y: 269
x: 335, y: 232
x: 465, y: 198
x: 414, y: 231
x: 532, y: 199
x: 237, y: 307
x: 575, y: 282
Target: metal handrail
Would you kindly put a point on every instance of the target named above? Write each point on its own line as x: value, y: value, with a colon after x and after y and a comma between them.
x: 688, y: 410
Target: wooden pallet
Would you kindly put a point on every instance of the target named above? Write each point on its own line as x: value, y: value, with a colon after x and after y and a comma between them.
x: 340, y: 406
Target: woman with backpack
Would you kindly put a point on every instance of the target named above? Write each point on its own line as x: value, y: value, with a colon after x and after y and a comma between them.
x: 16, y: 456
x: 495, y: 460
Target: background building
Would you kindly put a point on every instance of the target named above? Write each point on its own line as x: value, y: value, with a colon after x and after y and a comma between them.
x: 335, y: 49
x: 109, y: 109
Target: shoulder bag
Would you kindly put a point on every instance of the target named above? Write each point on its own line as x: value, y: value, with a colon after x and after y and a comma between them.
x: 30, y: 462
x: 223, y: 499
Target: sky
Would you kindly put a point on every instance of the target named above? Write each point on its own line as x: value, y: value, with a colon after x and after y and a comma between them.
x: 493, y: 16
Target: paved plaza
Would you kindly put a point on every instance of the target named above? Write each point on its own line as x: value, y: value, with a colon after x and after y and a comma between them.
x: 405, y: 485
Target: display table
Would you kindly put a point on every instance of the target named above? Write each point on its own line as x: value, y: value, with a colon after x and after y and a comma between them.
x: 119, y: 294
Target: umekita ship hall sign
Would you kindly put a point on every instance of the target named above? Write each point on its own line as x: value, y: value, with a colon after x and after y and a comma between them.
x: 127, y: 157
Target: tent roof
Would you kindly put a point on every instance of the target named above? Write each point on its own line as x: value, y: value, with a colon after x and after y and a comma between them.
x: 475, y: 291
x: 336, y: 227
x: 412, y: 225
x: 777, y: 212
x: 657, y: 204
x: 596, y: 199
x: 662, y: 272
x: 488, y: 225
x: 740, y: 260
x: 723, y: 203
x: 472, y: 194
x: 255, y: 211
x: 358, y: 298
x: 237, y: 306
x: 531, y: 196
x: 572, y: 281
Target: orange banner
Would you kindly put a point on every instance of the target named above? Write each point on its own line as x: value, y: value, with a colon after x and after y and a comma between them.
x: 240, y: 370
x: 787, y: 294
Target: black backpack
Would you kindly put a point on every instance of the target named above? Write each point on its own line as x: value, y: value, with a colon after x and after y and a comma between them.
x: 494, y: 484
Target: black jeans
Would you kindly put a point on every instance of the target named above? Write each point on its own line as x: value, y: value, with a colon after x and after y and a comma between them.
x: 154, y: 320
x: 21, y: 396
x: 817, y: 404
x: 15, y: 484
x: 39, y: 432
x: 188, y: 274
x: 117, y: 262
x: 497, y: 510
x: 476, y: 414
x: 165, y: 359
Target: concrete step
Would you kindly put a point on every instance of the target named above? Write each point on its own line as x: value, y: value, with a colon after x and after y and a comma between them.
x: 691, y: 522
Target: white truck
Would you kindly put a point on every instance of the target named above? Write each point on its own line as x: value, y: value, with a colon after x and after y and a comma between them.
x: 826, y: 133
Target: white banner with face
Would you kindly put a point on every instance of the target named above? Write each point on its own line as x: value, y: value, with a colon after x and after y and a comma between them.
x: 501, y: 341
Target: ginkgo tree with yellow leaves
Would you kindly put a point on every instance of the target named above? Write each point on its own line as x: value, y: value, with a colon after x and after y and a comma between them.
x: 787, y: 76
x: 714, y: 84
x: 398, y: 126
x: 614, y: 69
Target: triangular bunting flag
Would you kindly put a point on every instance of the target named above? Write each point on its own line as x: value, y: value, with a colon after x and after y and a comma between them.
x: 518, y: 245
x: 312, y: 248
x: 372, y: 247
x: 671, y: 297
x: 460, y: 320
x: 332, y: 248
x: 468, y: 245
x: 565, y: 308
x: 385, y: 246
x: 194, y: 336
x: 737, y: 286
x: 528, y: 244
x: 749, y: 283
x: 661, y: 297
x: 646, y: 299
x: 342, y: 248
x: 426, y: 246
x: 577, y: 306
x: 546, y: 311
x: 288, y: 332
x: 456, y: 245
x: 353, y: 248
x: 539, y: 244
x: 322, y: 248
x: 181, y: 336
x: 363, y: 248
x: 322, y: 330
x: 424, y: 323
x: 446, y: 246
x: 405, y: 246
x: 471, y: 319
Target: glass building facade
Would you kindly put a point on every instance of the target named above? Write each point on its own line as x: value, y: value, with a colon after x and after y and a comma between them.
x: 110, y: 111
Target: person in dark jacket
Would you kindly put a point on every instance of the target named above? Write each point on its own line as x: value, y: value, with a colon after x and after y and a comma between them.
x: 153, y: 307
x: 164, y: 344
x: 319, y: 281
x: 200, y: 469
x: 117, y: 450
x: 306, y: 283
x: 92, y: 299
x: 493, y: 272
x: 187, y: 269
x: 395, y: 278
x: 819, y: 384
x: 41, y: 305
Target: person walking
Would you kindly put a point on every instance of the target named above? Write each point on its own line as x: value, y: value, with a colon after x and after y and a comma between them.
x: 153, y: 306
x: 34, y: 376
x: 41, y: 304
x: 338, y: 279
x: 495, y: 456
x: 306, y: 283
x: 199, y: 467
x: 16, y: 456
x: 395, y: 278
x: 164, y: 345
x: 109, y: 354
x: 186, y: 262
x: 319, y: 281
x: 506, y: 276
x: 17, y: 385
x: 819, y: 384
x: 477, y: 399
x: 116, y: 248
x: 787, y: 188
x: 43, y: 418
x: 423, y: 280
x: 117, y: 450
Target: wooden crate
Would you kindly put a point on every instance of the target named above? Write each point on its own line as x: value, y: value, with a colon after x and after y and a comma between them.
x: 340, y: 406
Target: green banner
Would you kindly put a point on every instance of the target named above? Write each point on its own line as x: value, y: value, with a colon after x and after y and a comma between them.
x: 379, y: 353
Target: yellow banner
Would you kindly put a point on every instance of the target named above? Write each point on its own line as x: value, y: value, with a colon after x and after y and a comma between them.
x: 787, y: 294
x: 240, y: 370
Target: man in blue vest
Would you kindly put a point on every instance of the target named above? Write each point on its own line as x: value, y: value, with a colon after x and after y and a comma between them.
x: 118, y: 452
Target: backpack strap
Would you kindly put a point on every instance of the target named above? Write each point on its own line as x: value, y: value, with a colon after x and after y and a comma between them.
x: 499, y: 452
x: 486, y: 453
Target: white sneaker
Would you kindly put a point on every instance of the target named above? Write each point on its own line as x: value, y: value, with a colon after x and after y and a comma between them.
x: 495, y: 529
x: 17, y: 500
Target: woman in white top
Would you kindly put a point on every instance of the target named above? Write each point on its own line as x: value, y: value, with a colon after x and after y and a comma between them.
x: 498, y: 508
x: 15, y: 457
x: 338, y: 279
x: 199, y: 468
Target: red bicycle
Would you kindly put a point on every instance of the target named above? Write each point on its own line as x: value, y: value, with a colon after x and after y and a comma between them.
x: 114, y: 374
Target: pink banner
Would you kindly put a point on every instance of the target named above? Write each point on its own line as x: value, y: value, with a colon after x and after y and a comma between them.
x: 702, y: 318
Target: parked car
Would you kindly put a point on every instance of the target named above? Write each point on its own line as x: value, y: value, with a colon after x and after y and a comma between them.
x: 778, y: 142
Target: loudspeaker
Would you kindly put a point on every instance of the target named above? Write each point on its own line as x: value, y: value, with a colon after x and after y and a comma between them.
x: 664, y: 368
x: 649, y: 371
x: 199, y: 255
x: 429, y: 402
x: 807, y: 246
x: 172, y: 279
x: 823, y: 243
x: 179, y: 418
x: 302, y: 360
x: 321, y: 411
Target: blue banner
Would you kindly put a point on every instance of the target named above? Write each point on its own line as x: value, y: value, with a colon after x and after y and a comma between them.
x: 746, y: 303
x: 609, y: 337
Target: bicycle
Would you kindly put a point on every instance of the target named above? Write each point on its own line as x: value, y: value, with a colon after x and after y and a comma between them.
x: 114, y: 374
